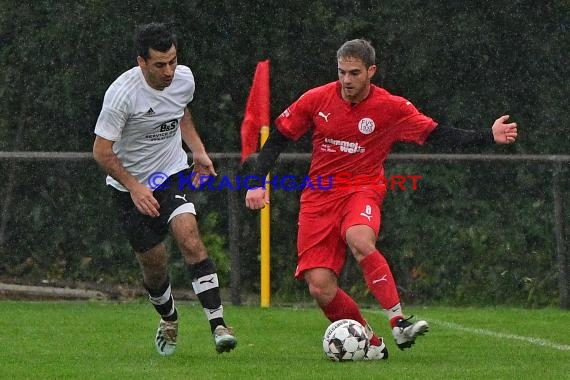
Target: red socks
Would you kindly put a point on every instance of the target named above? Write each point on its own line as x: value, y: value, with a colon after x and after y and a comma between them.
x: 381, y: 283
x: 380, y: 280
x: 343, y: 306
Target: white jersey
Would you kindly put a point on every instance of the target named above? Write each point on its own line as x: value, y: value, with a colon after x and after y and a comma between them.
x: 145, y: 123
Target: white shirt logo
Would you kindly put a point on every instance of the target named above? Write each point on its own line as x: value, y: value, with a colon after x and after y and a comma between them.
x: 326, y: 117
x: 346, y: 146
x: 181, y: 197
x: 367, y: 213
x: 383, y: 278
x: 366, y: 126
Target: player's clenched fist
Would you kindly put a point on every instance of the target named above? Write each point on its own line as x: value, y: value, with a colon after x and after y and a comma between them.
x: 257, y: 198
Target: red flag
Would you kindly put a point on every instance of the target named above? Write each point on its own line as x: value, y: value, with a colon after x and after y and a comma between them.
x: 256, y: 110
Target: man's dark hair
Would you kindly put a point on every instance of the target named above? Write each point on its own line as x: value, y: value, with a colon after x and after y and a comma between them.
x: 359, y: 49
x: 156, y: 36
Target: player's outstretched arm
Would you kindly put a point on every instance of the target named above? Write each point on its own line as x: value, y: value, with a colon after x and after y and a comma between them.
x: 501, y: 132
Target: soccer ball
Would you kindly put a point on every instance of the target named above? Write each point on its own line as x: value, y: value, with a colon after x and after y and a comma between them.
x: 345, y: 340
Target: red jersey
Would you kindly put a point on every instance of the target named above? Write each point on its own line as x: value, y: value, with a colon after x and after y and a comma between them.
x: 351, y: 140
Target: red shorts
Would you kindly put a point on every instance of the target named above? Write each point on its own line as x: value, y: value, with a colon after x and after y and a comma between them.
x: 321, y: 239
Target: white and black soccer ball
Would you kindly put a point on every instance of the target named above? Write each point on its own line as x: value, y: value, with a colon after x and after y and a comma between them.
x: 345, y: 340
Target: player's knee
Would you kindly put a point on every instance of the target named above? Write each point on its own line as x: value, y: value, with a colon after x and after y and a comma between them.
x: 362, y: 247
x: 192, y: 249
x: 322, y: 293
x: 361, y: 240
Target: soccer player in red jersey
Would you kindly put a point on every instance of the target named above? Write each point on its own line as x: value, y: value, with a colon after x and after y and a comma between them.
x: 354, y: 125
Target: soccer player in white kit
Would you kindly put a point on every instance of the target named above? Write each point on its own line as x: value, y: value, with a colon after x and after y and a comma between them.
x: 139, y: 134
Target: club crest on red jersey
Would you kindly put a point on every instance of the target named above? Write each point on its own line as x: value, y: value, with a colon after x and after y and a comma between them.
x: 366, y: 126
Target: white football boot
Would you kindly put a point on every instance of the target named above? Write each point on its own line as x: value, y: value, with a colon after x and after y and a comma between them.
x: 406, y: 332
x: 224, y: 339
x: 375, y: 352
x: 166, y: 334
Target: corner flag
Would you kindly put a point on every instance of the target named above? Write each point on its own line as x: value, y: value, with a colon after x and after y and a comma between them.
x: 256, y: 110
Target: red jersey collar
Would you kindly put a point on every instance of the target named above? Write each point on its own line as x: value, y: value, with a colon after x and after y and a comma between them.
x: 338, y: 92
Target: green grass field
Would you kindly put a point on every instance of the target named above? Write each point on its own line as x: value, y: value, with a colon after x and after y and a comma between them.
x: 50, y: 340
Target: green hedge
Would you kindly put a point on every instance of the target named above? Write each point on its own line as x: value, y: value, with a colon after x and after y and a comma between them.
x: 473, y: 233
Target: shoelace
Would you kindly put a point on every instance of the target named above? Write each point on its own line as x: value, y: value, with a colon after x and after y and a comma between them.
x: 223, y: 331
x: 168, y: 331
x: 403, y: 323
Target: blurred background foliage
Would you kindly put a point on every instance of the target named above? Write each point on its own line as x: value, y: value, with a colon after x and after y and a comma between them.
x: 472, y: 233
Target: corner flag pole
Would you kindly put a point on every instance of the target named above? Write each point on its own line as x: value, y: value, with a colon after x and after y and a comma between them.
x: 265, y: 241
x: 254, y: 128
